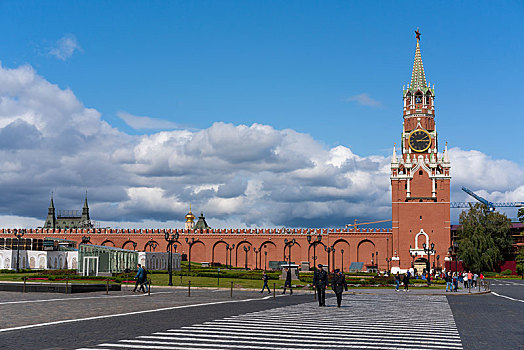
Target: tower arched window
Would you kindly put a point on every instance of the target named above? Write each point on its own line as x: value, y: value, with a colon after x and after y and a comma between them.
x: 418, y: 97
x: 428, y: 98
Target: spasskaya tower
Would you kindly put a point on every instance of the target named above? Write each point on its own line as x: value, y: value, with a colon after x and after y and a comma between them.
x: 420, y: 179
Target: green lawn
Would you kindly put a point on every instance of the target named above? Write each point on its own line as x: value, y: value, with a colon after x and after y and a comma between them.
x: 161, y: 279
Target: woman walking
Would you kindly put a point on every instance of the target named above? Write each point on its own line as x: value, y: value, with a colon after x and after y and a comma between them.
x: 397, y: 281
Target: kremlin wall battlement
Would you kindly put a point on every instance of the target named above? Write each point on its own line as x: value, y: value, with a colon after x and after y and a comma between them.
x: 262, y: 245
x: 287, y: 231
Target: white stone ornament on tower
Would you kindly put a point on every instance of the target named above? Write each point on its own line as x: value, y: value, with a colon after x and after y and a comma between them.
x: 394, y: 159
x: 445, y: 159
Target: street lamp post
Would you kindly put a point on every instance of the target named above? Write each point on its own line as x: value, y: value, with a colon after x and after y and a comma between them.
x: 246, y: 249
x: 265, y: 259
x: 18, y: 234
x: 342, y: 252
x: 315, y: 242
x: 333, y: 259
x: 191, y: 242
x: 170, y: 239
x: 455, y: 247
x: 152, y: 245
x: 413, y: 256
x: 256, y: 257
x: 230, y: 249
x: 388, y: 260
x: 290, y: 244
x: 429, y: 250
x: 328, y: 250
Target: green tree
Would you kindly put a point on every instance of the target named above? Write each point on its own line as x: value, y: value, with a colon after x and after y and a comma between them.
x: 484, y: 237
x: 520, y: 263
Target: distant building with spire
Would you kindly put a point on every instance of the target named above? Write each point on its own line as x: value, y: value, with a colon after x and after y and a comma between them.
x: 201, y: 223
x: 68, y: 219
x: 190, y: 220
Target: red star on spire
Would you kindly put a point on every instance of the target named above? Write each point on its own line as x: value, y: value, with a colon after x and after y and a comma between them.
x: 417, y: 33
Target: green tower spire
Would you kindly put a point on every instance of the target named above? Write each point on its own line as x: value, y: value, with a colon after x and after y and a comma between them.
x: 418, y: 78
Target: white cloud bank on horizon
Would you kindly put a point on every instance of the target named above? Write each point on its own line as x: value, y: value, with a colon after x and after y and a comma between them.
x: 65, y: 47
x: 238, y: 175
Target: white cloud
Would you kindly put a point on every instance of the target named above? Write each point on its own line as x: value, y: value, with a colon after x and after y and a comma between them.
x: 239, y: 175
x: 364, y: 100
x: 146, y: 123
x: 65, y: 47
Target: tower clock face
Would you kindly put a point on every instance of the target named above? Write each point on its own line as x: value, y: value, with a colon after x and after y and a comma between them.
x: 419, y: 140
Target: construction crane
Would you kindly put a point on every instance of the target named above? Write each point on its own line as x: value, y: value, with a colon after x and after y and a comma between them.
x: 491, y: 206
x: 354, y: 225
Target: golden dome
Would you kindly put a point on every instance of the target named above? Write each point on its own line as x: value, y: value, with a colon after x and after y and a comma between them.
x: 189, y: 216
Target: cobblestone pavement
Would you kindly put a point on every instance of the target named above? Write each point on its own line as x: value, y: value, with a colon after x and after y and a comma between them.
x: 394, y: 321
x: 84, y: 320
x: 483, y: 321
x: 33, y: 308
x: 491, y: 321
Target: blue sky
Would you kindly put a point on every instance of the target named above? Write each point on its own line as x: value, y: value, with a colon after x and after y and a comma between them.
x: 332, y: 70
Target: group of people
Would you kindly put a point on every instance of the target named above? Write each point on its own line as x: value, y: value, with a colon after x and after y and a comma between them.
x: 320, y: 281
x: 468, y: 279
x: 338, y: 284
x: 141, y: 279
x: 404, y: 279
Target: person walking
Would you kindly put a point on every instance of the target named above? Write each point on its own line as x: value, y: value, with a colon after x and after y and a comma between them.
x: 339, y: 284
x: 475, y: 277
x: 465, y: 277
x: 320, y: 281
x: 449, y: 281
x: 455, y: 282
x: 145, y: 281
x: 397, y: 281
x: 288, y: 282
x: 139, y: 279
x: 405, y: 280
x: 265, y: 279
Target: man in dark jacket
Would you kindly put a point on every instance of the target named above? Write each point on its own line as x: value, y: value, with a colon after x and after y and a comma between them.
x: 405, y: 280
x: 265, y: 279
x: 139, y: 279
x: 320, y: 281
x: 288, y: 282
x: 339, y: 284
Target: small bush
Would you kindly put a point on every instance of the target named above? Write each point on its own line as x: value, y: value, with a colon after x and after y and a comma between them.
x: 506, y: 272
x: 489, y: 274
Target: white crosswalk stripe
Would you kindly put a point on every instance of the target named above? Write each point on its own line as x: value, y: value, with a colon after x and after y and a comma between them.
x: 363, y: 322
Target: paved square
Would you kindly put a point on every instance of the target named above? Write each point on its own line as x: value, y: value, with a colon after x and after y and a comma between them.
x: 398, y: 321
